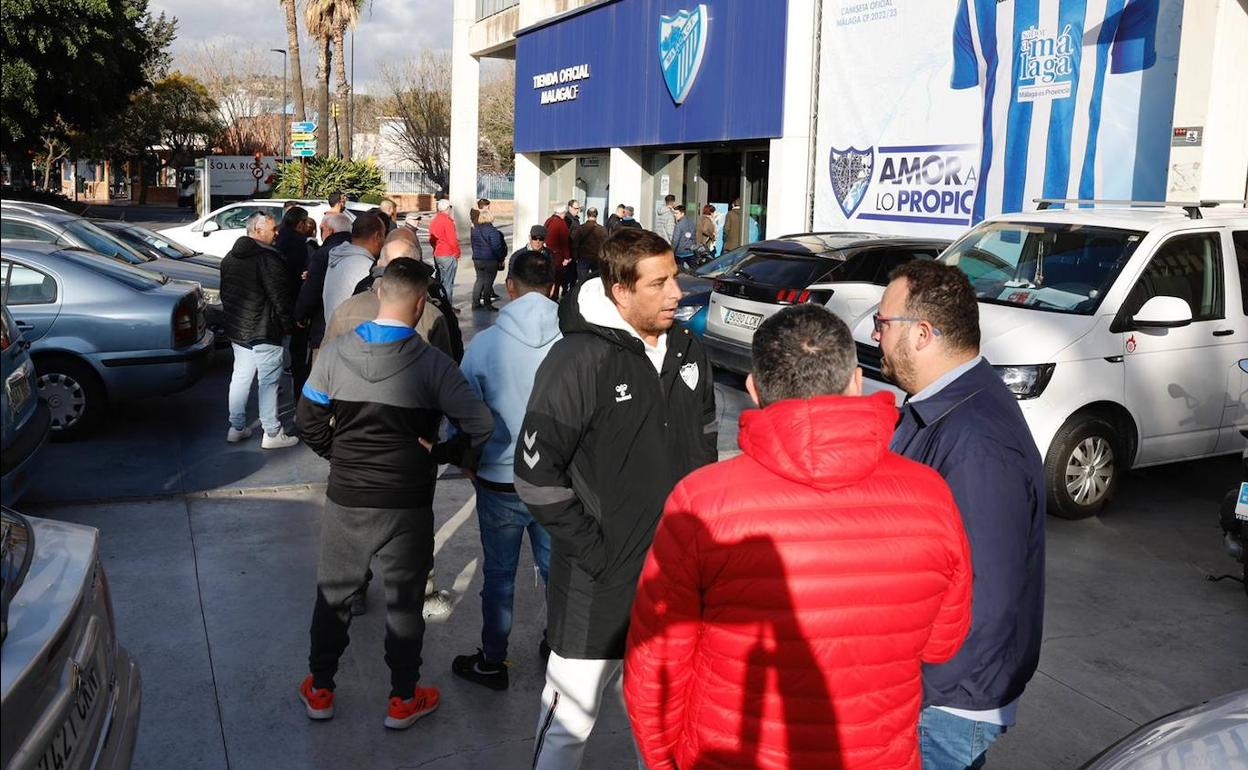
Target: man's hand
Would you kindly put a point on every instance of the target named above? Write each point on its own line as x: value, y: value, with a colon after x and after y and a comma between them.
x: 469, y: 473
x: 426, y: 444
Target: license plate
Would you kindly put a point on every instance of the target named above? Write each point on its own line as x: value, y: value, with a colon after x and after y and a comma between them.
x: 1241, y: 506
x: 73, y: 733
x: 19, y: 392
x: 744, y: 320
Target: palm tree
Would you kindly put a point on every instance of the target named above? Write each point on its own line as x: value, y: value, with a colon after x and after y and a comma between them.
x: 324, y: 18
x: 349, y: 16
x: 292, y: 48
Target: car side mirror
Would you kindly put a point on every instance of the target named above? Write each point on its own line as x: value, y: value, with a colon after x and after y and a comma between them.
x: 1243, y: 365
x: 211, y: 226
x: 1163, y: 313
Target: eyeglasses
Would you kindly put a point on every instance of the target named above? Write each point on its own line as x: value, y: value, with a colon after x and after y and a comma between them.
x: 881, y: 320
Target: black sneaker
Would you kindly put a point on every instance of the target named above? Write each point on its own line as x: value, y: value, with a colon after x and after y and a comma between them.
x: 475, y: 668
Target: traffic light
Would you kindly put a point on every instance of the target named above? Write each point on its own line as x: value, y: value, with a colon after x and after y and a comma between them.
x: 335, y: 110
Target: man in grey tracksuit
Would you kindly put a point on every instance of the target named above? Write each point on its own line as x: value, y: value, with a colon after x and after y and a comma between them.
x: 372, y: 406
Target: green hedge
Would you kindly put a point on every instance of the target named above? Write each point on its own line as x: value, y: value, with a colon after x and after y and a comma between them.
x: 357, y: 178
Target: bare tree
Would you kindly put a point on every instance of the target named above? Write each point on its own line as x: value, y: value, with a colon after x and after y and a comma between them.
x: 246, y: 94
x: 496, y: 150
x: 420, y: 96
x: 50, y: 155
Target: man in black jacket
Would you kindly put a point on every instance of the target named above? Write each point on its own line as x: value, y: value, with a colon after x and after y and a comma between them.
x: 372, y: 407
x: 258, y: 307
x: 335, y: 230
x: 623, y: 407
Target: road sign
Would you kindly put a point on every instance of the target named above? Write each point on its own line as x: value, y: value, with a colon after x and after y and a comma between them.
x: 304, y: 127
x: 302, y: 144
x: 302, y: 153
x: 302, y: 136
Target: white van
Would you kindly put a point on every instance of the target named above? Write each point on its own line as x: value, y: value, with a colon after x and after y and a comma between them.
x: 1118, y: 330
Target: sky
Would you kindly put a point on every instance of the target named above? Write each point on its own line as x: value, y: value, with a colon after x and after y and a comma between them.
x: 389, y: 30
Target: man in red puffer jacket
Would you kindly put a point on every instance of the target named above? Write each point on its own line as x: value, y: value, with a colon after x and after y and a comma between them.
x: 792, y: 593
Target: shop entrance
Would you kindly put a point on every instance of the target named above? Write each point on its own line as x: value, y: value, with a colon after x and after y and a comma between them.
x: 583, y: 177
x: 717, y: 177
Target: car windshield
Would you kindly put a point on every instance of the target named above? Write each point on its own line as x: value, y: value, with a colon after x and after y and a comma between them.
x: 132, y: 277
x: 101, y: 242
x: 723, y: 263
x: 1059, y: 268
x: 153, y: 239
x: 785, y: 270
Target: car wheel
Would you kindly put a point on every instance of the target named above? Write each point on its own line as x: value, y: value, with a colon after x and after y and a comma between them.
x: 1083, y: 466
x: 73, y: 393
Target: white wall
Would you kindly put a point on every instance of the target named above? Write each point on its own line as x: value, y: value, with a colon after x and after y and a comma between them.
x: 465, y: 94
x: 627, y: 180
x: 1211, y: 93
x: 528, y: 197
x: 789, y: 188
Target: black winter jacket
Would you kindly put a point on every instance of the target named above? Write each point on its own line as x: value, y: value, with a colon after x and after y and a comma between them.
x: 308, y: 305
x: 255, y: 294
x: 604, y: 441
x: 488, y: 244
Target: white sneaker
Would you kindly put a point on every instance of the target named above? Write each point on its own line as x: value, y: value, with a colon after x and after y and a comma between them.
x: 234, y: 436
x: 439, y: 603
x: 278, y: 440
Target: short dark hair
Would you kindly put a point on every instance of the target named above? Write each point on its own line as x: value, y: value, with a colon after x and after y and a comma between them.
x: 288, y: 205
x: 669, y: 198
x: 803, y: 351
x: 293, y: 216
x: 621, y: 252
x: 483, y: 202
x: 367, y: 225
x: 591, y: 213
x: 334, y: 198
x: 407, y: 276
x: 680, y: 208
x: 708, y: 209
x: 943, y: 296
x: 532, y: 270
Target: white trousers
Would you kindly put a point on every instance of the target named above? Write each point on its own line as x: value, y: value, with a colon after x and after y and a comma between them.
x: 570, y: 703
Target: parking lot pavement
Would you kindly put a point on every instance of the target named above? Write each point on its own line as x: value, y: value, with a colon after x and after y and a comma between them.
x: 211, y: 551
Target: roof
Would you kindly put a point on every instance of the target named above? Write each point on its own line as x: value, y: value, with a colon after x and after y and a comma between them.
x: 825, y: 242
x: 1124, y: 218
x: 40, y: 215
x: 29, y: 249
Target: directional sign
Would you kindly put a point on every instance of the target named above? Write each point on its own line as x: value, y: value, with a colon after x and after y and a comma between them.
x: 301, y: 136
x: 306, y: 127
x: 302, y: 153
x: 300, y: 144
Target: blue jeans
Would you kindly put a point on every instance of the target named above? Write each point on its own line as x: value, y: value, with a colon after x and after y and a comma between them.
x: 262, y: 362
x: 446, y: 274
x: 949, y: 742
x: 504, y: 519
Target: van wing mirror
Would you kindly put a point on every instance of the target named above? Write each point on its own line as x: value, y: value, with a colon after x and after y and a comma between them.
x: 1163, y: 313
x: 210, y: 226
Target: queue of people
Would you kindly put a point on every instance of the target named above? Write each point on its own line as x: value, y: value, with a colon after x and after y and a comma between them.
x: 861, y: 587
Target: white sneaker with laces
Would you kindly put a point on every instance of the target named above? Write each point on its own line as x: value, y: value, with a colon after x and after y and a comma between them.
x: 438, y: 603
x: 278, y: 440
x: 234, y: 435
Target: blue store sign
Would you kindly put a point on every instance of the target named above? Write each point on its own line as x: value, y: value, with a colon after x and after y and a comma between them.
x: 631, y: 73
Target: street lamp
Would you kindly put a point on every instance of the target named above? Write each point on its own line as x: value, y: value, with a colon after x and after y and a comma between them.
x: 282, y: 51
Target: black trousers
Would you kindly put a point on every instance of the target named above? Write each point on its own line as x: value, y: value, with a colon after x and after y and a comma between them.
x: 483, y: 289
x: 402, y: 538
x: 300, y: 360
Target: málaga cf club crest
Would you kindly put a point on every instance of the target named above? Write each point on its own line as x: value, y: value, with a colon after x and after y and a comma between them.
x: 682, y: 43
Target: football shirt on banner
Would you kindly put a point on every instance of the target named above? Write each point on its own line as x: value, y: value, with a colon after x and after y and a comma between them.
x: 1041, y: 66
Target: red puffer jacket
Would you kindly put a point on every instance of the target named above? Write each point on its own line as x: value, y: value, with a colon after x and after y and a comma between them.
x: 791, y: 595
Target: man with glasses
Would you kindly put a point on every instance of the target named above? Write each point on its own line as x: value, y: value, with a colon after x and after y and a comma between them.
x: 960, y: 419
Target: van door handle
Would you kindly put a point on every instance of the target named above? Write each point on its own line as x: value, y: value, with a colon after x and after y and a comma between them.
x: 1224, y: 332
x: 25, y: 325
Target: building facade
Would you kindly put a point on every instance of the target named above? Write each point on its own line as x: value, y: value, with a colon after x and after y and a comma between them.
x: 915, y: 116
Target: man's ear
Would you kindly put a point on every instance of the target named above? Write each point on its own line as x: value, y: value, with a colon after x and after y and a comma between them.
x: 421, y: 303
x: 854, y: 388
x: 751, y: 387
x: 927, y: 335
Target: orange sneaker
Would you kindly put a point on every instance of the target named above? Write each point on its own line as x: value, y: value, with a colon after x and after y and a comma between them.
x: 318, y: 701
x: 404, y: 712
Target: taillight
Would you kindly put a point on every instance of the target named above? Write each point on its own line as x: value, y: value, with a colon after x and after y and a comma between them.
x: 796, y: 297
x: 184, y: 326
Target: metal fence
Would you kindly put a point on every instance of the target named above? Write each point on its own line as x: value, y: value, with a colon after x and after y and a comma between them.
x: 404, y: 181
x: 491, y: 7
x: 496, y: 186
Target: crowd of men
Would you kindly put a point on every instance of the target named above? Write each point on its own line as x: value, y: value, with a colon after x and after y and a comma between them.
x: 861, y: 587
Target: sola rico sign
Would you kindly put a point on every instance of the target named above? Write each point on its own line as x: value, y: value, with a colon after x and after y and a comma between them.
x: 553, y: 86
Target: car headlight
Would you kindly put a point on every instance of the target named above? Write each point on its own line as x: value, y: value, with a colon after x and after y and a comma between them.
x: 211, y: 296
x: 1026, y: 381
x: 686, y: 312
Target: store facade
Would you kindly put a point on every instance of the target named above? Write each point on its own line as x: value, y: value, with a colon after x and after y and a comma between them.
x: 628, y: 101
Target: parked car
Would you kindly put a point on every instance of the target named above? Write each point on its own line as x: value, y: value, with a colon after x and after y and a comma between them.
x: 100, y: 330
x: 154, y: 244
x: 70, y: 693
x: 215, y: 234
x: 1118, y: 330
x: 697, y: 284
x: 1211, y: 736
x: 847, y: 272
x: 25, y: 418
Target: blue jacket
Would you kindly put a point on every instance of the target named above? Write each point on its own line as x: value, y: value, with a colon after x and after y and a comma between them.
x: 973, y: 434
x: 684, y: 237
x: 500, y: 364
x: 488, y: 244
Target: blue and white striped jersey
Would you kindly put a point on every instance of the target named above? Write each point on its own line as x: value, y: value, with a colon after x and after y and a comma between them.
x: 1042, y: 65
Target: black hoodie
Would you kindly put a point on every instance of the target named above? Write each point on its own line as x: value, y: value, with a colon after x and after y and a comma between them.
x: 255, y: 294
x: 605, y: 439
